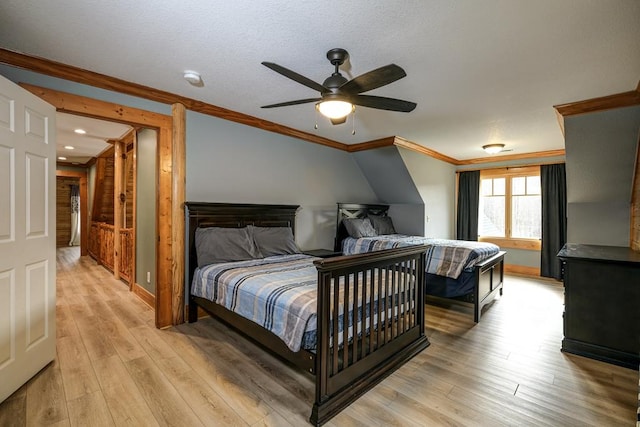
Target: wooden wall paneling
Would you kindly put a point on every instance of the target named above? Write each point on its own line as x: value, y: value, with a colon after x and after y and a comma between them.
x: 635, y: 204
x: 76, y: 104
x: 99, y: 188
x: 178, y: 195
x: 84, y: 207
x: 63, y: 209
x: 118, y: 205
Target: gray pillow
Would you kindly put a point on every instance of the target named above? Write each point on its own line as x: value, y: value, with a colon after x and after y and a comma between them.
x: 382, y: 224
x: 218, y: 244
x: 274, y: 240
x: 359, y: 227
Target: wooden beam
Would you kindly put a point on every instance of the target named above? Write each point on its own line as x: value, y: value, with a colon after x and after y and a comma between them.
x: 79, y: 75
x: 164, y: 218
x: 177, y: 209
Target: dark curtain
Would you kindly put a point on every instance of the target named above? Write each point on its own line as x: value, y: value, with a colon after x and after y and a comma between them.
x: 468, y: 203
x: 554, y: 218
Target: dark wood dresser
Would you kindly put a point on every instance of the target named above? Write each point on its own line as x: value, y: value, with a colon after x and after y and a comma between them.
x: 602, y: 303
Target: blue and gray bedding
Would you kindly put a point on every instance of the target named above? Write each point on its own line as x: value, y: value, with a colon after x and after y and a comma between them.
x: 444, y: 257
x: 278, y: 293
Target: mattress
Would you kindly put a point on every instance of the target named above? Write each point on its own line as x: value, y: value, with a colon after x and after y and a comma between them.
x: 448, y: 258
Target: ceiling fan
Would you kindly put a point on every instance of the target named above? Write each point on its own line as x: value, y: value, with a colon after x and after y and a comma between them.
x: 339, y: 96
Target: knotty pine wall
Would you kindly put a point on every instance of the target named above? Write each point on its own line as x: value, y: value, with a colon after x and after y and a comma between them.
x: 63, y: 209
x: 635, y: 205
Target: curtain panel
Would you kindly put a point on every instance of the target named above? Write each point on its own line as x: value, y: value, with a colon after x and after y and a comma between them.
x: 468, y: 205
x: 554, y: 218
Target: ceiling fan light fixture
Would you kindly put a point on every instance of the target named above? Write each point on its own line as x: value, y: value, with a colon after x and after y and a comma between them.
x: 335, y: 109
x: 493, y: 148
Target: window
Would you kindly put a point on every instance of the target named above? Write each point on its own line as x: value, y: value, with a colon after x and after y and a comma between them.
x: 510, y: 213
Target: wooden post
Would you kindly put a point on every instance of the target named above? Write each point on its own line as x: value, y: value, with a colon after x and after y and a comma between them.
x: 178, y: 183
x: 118, y: 205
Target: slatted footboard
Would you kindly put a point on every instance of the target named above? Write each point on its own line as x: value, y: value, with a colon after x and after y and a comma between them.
x: 383, y: 296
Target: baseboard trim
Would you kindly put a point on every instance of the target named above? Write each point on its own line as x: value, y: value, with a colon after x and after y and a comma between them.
x: 146, y: 296
x: 522, y: 269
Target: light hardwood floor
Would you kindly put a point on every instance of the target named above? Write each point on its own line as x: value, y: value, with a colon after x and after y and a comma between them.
x: 115, y: 368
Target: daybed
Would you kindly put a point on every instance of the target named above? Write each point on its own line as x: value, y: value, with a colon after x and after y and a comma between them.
x: 468, y: 271
x: 381, y: 293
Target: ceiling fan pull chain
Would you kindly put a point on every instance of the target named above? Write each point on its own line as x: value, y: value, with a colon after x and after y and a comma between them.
x: 316, y: 125
x: 353, y: 122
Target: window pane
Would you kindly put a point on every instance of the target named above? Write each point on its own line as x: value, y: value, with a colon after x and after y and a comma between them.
x: 491, y: 216
x: 518, y: 185
x: 486, y: 187
x: 498, y: 186
x: 533, y: 185
x: 526, y: 217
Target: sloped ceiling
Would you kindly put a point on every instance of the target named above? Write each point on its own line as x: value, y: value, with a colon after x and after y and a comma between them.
x: 480, y: 71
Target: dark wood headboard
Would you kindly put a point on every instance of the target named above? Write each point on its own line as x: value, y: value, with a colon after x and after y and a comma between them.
x: 354, y: 210
x: 231, y: 215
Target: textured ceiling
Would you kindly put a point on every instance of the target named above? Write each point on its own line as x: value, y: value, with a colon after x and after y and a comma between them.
x: 480, y: 71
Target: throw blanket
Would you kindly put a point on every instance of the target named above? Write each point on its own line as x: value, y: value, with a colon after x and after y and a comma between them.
x: 447, y: 258
x: 279, y: 293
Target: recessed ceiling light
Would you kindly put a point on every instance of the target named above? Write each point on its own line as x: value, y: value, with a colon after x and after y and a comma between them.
x: 62, y: 158
x: 80, y: 131
x: 69, y: 147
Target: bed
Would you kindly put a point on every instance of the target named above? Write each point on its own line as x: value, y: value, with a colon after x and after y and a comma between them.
x: 377, y: 300
x: 472, y: 272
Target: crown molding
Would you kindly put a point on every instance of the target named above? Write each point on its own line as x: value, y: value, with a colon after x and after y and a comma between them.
x: 603, y: 103
x: 102, y: 81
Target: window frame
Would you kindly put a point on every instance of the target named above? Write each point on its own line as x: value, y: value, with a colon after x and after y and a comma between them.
x: 508, y: 174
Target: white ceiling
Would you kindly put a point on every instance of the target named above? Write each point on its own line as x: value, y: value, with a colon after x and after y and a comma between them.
x: 86, y: 146
x: 480, y: 71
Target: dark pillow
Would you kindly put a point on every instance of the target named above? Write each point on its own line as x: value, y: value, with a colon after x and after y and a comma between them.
x: 359, y: 227
x: 382, y: 224
x: 216, y: 244
x: 274, y: 240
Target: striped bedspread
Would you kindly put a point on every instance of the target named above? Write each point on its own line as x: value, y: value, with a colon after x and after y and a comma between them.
x: 278, y: 293
x: 447, y: 258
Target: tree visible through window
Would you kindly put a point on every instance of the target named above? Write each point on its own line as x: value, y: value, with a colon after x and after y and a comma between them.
x: 510, y: 207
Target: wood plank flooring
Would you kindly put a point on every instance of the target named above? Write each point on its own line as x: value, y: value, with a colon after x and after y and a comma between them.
x: 114, y: 367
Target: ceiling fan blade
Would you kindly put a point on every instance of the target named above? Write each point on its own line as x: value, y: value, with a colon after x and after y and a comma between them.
x: 296, y: 102
x: 374, y: 79
x: 383, y: 103
x: 295, y: 76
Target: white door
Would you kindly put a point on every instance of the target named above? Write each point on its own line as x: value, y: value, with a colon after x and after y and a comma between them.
x: 27, y: 236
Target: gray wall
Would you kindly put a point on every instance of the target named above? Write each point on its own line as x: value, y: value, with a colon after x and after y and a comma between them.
x: 229, y: 162
x: 435, y: 182
x: 146, y: 232
x: 393, y: 184
x: 600, y: 150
